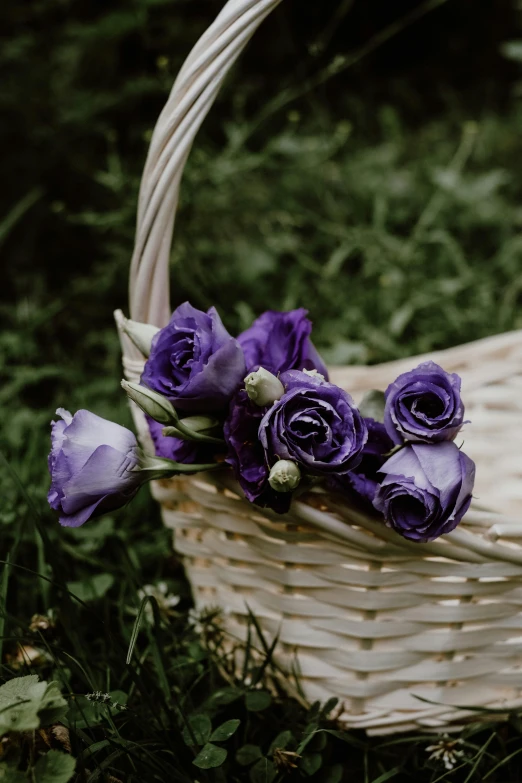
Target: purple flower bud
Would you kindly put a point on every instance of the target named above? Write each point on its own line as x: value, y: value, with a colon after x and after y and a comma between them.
x: 426, y: 490
x: 280, y: 342
x: 315, y: 424
x: 424, y: 405
x: 194, y: 362
x: 93, y: 465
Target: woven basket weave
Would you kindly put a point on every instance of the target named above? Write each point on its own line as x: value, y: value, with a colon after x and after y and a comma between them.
x: 405, y: 634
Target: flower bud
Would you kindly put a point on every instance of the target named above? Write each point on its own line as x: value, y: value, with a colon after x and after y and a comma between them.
x: 263, y: 388
x: 284, y: 476
x: 204, y: 425
x: 155, y: 405
x: 140, y: 334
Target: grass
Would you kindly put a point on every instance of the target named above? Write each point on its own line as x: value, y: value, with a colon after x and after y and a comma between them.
x: 400, y: 235
x: 152, y: 693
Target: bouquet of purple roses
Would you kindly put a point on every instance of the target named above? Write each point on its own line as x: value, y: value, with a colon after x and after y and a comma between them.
x: 262, y: 406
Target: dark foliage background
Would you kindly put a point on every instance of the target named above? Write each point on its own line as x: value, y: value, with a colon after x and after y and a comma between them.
x: 372, y: 178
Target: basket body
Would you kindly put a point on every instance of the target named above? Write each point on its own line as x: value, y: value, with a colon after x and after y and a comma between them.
x: 361, y: 614
x: 404, y: 634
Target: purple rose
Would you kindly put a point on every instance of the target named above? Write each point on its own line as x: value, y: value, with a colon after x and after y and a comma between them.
x: 315, y: 424
x: 92, y: 465
x: 426, y: 490
x: 194, y: 361
x: 280, y: 342
x: 424, y: 405
x: 247, y: 457
x: 363, y: 480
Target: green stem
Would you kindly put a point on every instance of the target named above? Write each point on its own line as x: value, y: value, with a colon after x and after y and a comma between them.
x: 193, y: 435
x: 160, y: 467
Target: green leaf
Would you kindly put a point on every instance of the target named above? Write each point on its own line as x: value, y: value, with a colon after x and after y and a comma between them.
x: 199, y: 731
x: 20, y: 688
x: 330, y: 705
x: 256, y: 701
x: 372, y: 406
x: 85, y: 714
x: 248, y: 754
x: 332, y: 774
x: 19, y: 716
x: 308, y: 735
x: 53, y: 706
x: 210, y: 756
x: 344, y: 737
x: 318, y: 741
x: 91, y: 589
x: 119, y: 696
x: 10, y: 774
x: 225, y: 731
x: 263, y: 771
x: 310, y: 763
x: 54, y: 767
x: 26, y: 703
x: 224, y: 696
x: 281, y: 741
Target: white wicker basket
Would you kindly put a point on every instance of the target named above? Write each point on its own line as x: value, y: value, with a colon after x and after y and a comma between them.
x: 371, y: 618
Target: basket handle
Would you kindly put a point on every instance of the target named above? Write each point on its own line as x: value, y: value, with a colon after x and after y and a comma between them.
x: 192, y: 96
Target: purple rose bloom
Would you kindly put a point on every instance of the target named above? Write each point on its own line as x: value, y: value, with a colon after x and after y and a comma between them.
x: 280, y: 342
x: 426, y: 490
x: 315, y: 424
x: 194, y: 361
x: 424, y: 405
x: 247, y: 457
x: 363, y: 480
x: 92, y: 465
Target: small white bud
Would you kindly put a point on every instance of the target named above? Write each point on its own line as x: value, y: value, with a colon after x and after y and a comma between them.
x: 140, y: 334
x: 155, y: 405
x: 284, y: 476
x: 263, y: 388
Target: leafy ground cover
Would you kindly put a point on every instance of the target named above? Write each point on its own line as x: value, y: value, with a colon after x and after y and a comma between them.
x: 390, y: 209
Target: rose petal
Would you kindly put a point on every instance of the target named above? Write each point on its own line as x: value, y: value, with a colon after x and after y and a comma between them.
x: 106, y: 472
x: 281, y: 341
x: 86, y: 432
x: 194, y: 361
